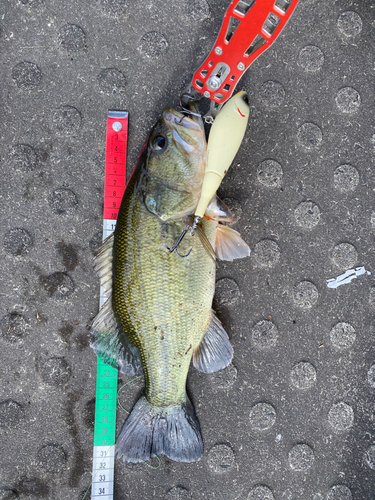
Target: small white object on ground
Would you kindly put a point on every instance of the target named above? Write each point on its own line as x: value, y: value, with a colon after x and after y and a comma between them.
x: 347, y: 277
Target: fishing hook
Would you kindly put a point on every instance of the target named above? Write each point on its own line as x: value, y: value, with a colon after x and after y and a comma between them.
x: 178, y: 241
x: 188, y: 112
x: 183, y: 256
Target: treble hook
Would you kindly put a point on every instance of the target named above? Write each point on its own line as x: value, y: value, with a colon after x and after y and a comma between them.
x: 175, y: 245
x: 185, y: 109
x: 188, y: 112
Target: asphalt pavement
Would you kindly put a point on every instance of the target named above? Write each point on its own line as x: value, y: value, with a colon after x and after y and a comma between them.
x: 293, y: 417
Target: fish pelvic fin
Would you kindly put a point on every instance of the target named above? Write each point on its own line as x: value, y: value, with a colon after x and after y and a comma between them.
x: 110, y: 343
x: 215, y: 351
x: 150, y: 430
x: 229, y: 245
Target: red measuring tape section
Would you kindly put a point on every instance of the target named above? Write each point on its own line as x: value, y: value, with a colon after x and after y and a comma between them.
x: 249, y: 28
x: 115, y: 162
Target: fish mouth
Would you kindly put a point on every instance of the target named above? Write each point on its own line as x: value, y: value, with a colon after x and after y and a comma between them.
x: 186, y: 130
x: 174, y: 117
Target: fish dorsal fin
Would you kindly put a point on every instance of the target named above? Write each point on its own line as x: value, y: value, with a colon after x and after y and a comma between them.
x: 103, y: 264
x: 217, y: 210
x: 229, y: 245
x: 110, y: 343
x: 215, y: 351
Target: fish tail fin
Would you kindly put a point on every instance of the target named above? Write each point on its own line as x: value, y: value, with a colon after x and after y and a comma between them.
x: 153, y: 430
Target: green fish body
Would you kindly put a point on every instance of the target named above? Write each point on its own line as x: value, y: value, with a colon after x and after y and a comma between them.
x: 159, y: 311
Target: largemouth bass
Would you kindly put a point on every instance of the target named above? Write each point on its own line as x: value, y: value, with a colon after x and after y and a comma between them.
x: 159, y: 311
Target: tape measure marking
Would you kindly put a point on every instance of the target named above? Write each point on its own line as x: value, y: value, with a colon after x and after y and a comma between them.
x: 106, y: 376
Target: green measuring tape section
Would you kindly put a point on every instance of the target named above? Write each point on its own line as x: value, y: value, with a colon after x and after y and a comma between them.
x: 105, y: 405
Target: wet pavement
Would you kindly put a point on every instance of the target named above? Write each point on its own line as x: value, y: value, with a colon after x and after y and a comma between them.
x: 293, y: 417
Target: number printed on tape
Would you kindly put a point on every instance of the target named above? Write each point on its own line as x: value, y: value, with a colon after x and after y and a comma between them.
x: 106, y: 382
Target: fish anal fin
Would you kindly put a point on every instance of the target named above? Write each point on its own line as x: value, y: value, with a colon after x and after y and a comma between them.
x: 229, y: 245
x: 111, y: 344
x: 215, y: 351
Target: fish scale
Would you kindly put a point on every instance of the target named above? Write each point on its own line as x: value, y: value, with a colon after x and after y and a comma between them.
x: 148, y: 292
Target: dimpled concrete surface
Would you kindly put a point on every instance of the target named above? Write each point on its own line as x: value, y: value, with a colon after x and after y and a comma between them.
x: 293, y: 417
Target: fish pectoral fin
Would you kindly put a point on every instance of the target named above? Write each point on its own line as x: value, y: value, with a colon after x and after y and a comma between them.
x: 229, y: 245
x: 215, y: 351
x: 217, y: 210
x: 111, y: 344
x: 103, y: 264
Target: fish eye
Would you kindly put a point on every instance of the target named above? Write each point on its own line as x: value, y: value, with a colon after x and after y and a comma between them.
x: 159, y: 143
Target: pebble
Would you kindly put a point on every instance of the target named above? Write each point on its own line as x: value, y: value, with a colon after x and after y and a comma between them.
x: 266, y: 253
x: 309, y: 136
x: 58, y: 285
x: 51, y: 458
x: 307, y: 214
x: 17, y: 242
x: 224, y: 379
x: 349, y: 24
x: 301, y: 457
x: 348, y: 100
x: 262, y: 416
x: 24, y: 157
x: 111, y: 81
x: 346, y: 178
x: 345, y: 256
x: 227, y: 292
x: 311, y: 58
x: 265, y: 335
x: 197, y: 10
x: 272, y: 94
x: 270, y: 174
x: 11, y: 413
x: 14, y: 327
x: 178, y: 493
x: 72, y: 38
x: 26, y: 75
x: 342, y: 336
x: 66, y: 120
x: 339, y: 492
x: 303, y: 375
x: 341, y: 416
x: 260, y: 493
x: 305, y: 294
x: 55, y: 371
x: 153, y: 44
x: 115, y: 8
x: 63, y: 201
x: 220, y: 458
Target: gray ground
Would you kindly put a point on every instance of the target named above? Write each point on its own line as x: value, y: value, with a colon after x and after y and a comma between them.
x: 293, y: 417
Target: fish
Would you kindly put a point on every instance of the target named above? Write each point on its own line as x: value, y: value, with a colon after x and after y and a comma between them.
x: 158, y: 315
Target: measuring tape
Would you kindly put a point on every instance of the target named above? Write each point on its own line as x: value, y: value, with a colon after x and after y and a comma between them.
x: 106, y: 376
